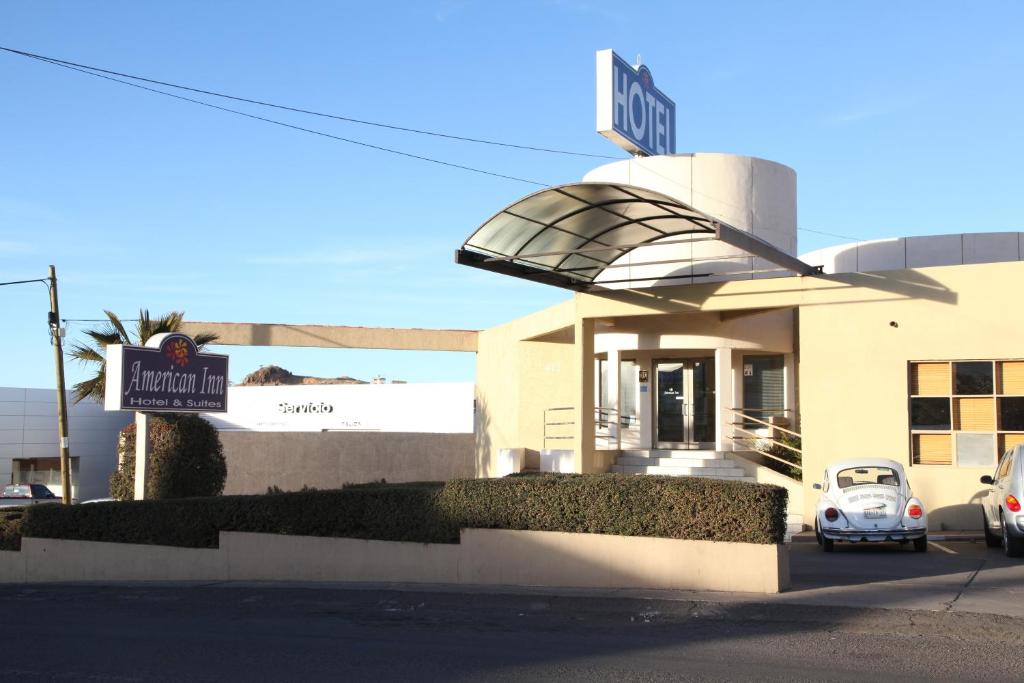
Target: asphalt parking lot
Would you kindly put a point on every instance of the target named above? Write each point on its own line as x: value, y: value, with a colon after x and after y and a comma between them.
x: 961, y: 576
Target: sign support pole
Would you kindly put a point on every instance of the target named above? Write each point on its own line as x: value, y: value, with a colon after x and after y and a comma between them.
x: 141, y: 453
x: 62, y: 400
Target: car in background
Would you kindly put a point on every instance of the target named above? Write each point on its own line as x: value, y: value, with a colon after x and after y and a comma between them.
x: 869, y: 500
x: 15, y: 495
x: 1001, y: 509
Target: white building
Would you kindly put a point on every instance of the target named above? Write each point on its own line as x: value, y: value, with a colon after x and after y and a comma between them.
x: 29, y: 447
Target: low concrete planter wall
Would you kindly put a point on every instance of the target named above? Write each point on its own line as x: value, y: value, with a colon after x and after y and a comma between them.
x: 484, y: 557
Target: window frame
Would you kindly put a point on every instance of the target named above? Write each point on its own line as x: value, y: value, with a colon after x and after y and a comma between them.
x: 961, y: 410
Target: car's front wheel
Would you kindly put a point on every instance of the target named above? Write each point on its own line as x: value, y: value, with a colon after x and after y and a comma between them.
x: 921, y: 544
x: 991, y: 540
x: 1013, y: 547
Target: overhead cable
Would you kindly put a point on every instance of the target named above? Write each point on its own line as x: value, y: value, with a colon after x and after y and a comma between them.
x: 292, y: 126
x: 262, y: 103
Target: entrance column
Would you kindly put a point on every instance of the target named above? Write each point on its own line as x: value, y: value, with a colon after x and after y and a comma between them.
x: 613, y: 417
x: 724, y: 399
x: 583, y: 429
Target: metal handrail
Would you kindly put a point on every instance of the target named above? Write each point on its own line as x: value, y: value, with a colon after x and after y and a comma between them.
x: 549, y: 423
x: 602, y: 417
x: 766, y: 424
x: 769, y: 455
x: 758, y: 437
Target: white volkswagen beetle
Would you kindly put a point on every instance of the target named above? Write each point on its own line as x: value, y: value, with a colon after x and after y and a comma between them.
x: 869, y: 499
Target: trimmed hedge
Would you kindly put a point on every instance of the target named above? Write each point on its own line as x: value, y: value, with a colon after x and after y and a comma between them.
x: 10, y: 528
x: 628, y: 505
x: 186, y: 459
x: 625, y: 505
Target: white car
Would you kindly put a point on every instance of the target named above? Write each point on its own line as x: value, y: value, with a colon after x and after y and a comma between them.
x: 869, y: 499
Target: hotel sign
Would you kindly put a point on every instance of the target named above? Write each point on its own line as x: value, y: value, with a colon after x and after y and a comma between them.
x: 631, y: 112
x: 168, y: 375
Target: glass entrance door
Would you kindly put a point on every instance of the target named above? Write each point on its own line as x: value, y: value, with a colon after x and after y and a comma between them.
x: 685, y: 403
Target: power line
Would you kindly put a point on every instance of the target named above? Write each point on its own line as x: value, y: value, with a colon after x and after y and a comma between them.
x: 832, y: 234
x: 97, y: 320
x: 300, y: 128
x: 22, y: 282
x: 92, y: 71
x: 262, y: 103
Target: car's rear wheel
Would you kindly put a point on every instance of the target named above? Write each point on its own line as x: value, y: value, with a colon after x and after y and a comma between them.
x: 817, y: 534
x: 1013, y: 547
x: 827, y: 544
x: 991, y: 540
x: 921, y: 544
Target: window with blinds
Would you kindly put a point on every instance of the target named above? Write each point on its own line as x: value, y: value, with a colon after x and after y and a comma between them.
x: 965, y: 412
x: 764, y: 386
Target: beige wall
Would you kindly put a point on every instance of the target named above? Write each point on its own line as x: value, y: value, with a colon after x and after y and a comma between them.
x: 854, y: 372
x: 334, y: 336
x: 291, y: 460
x: 483, y: 557
x: 517, y: 378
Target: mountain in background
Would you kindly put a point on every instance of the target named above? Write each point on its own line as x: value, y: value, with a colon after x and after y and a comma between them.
x: 273, y: 375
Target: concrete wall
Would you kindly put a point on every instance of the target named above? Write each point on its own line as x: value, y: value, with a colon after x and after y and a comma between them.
x: 919, y: 252
x: 484, y: 557
x: 291, y: 460
x: 28, y: 429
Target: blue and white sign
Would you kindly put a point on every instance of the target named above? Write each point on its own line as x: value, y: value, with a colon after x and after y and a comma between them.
x: 631, y: 112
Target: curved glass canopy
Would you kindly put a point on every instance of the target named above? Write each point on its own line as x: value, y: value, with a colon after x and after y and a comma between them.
x: 569, y: 234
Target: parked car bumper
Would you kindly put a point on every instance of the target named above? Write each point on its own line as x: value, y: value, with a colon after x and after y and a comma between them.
x: 1015, y: 526
x: 858, y: 535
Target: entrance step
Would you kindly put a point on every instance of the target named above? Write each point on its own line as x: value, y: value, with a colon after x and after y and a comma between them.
x: 636, y: 460
x: 671, y: 453
x: 794, y: 525
x: 730, y: 473
x: 679, y: 463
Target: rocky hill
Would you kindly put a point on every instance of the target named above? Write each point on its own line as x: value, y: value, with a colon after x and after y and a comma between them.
x: 273, y: 375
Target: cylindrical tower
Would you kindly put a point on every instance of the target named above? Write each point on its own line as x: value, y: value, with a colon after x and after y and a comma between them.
x: 753, y: 195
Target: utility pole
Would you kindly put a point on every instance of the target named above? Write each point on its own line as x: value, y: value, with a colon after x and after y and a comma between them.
x: 62, y: 403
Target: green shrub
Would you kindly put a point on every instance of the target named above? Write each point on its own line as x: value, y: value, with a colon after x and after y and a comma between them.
x: 625, y: 505
x: 185, y: 459
x: 670, y: 507
x: 10, y: 528
x: 772, y: 447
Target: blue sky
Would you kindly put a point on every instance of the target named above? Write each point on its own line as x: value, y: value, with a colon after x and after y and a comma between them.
x: 899, y: 118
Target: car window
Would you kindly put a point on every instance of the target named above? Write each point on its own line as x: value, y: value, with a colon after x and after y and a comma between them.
x: 17, y: 491
x: 862, y: 476
x: 40, y: 491
x: 1004, y: 466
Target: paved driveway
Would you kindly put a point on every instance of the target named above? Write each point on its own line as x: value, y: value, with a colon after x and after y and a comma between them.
x: 952, y: 576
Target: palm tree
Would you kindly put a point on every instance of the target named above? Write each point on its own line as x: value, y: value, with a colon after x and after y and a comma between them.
x: 114, y: 332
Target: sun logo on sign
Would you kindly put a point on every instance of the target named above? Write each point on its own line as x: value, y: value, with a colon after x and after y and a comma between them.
x: 177, y: 351
x: 646, y: 79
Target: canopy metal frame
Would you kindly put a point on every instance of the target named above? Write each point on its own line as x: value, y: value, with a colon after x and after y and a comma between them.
x: 554, y: 214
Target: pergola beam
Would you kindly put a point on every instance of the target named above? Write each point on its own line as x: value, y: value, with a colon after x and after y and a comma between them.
x: 336, y: 336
